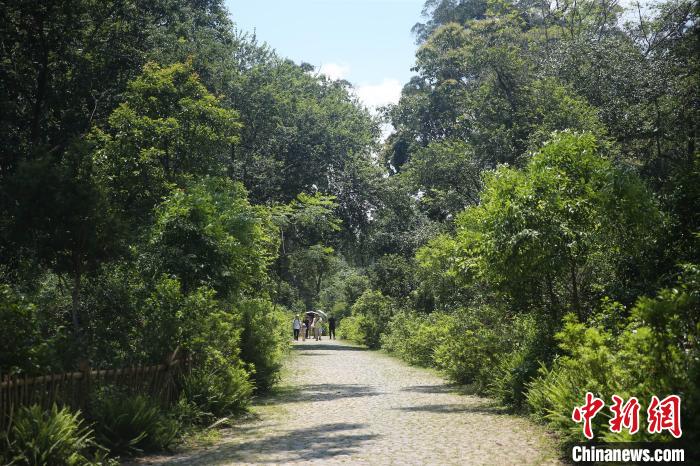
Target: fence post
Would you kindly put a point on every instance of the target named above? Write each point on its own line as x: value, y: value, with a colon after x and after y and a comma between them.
x: 169, y: 377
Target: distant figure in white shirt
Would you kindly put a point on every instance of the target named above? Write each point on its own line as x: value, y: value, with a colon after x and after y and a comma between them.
x: 296, y: 327
x: 316, y: 325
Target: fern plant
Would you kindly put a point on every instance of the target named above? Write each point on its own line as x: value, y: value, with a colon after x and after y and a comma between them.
x: 57, y: 437
x: 130, y: 424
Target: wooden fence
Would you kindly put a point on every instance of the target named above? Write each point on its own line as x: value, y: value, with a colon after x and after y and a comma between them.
x: 161, y: 381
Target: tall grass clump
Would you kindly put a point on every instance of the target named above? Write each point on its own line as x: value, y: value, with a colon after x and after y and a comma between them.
x: 54, y: 437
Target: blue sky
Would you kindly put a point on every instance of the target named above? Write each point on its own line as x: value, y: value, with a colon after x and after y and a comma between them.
x: 367, y: 42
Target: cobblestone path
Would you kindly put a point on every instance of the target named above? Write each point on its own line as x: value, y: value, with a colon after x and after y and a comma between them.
x: 343, y: 404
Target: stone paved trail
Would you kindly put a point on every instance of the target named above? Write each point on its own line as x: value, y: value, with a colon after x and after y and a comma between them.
x: 343, y: 404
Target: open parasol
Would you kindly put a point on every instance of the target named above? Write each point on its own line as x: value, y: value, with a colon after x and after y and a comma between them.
x: 319, y: 312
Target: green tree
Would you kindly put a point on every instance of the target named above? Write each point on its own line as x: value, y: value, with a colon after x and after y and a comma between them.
x: 558, y: 232
x: 67, y: 63
x: 309, y: 267
x: 393, y: 276
x: 304, y: 261
x: 446, y: 176
x: 62, y: 220
x: 302, y: 133
x: 208, y: 234
x: 168, y: 126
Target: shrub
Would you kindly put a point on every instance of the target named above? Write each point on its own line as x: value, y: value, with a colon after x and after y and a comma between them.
x: 21, y: 346
x: 656, y: 354
x: 480, y: 346
x: 212, y: 331
x: 472, y: 345
x: 128, y: 424
x: 357, y: 329
x: 215, y: 391
x: 529, y: 344
x: 399, y: 331
x: 370, y: 317
x: 350, y: 328
x: 414, y: 337
x: 56, y: 437
x: 195, y: 321
x: 264, y: 340
x: 589, y: 366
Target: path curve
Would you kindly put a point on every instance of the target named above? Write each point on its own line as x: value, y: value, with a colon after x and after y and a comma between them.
x: 342, y: 404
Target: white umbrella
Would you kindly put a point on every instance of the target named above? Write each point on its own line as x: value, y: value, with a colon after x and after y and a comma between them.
x: 319, y: 312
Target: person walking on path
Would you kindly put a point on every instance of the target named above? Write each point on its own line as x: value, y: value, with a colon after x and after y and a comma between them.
x: 296, y: 326
x: 331, y: 328
x: 316, y: 325
x: 307, y: 325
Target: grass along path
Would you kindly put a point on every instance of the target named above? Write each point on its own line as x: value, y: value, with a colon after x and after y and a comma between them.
x: 343, y: 404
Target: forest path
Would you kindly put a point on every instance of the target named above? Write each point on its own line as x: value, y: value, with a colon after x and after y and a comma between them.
x: 343, y: 404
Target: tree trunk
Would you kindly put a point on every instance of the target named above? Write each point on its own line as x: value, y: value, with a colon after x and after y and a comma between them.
x: 319, y: 280
x: 75, y: 305
x: 552, y: 297
x: 574, y: 291
x: 41, y: 82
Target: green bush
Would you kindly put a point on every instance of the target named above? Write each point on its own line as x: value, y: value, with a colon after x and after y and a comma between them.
x: 656, y: 354
x: 56, y: 437
x: 529, y: 344
x: 590, y: 365
x: 413, y: 337
x: 264, y: 340
x: 496, y: 355
x: 354, y: 329
x: 370, y: 318
x: 196, y: 321
x: 128, y: 424
x: 213, y: 332
x: 212, y: 392
x: 21, y: 346
x: 472, y: 345
x: 398, y: 333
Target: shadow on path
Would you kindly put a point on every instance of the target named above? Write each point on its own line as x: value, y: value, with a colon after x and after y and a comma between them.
x: 304, y: 346
x: 445, y: 388
x: 315, y: 443
x: 454, y: 409
x: 441, y: 388
x: 322, y: 392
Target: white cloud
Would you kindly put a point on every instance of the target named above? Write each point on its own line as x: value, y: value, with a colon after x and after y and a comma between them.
x: 335, y: 70
x: 376, y: 95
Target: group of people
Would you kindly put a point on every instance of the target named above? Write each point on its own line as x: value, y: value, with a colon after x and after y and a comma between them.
x: 313, y: 325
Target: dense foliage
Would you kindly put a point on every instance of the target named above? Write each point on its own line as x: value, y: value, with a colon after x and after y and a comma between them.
x: 541, y: 205
x: 166, y: 183
x: 55, y: 437
x: 530, y: 227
